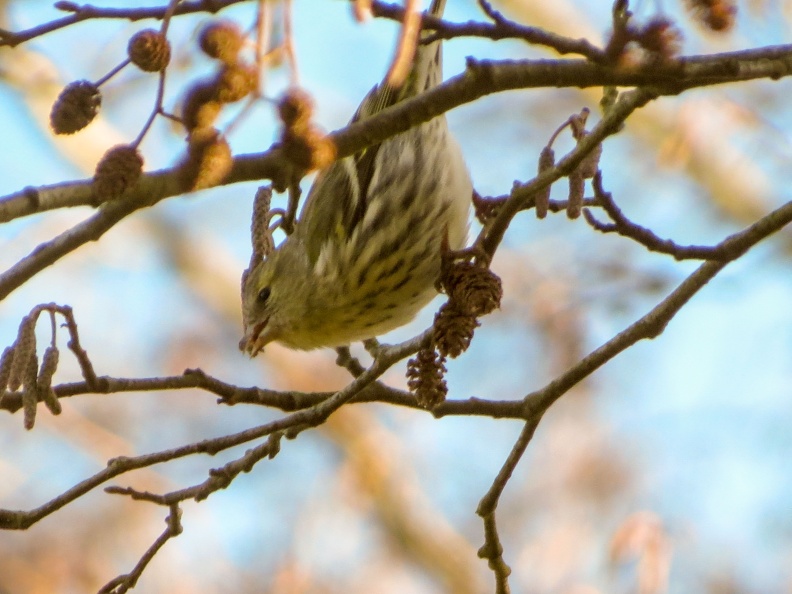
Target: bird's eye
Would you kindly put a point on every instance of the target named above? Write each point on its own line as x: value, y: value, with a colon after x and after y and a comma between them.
x: 264, y: 295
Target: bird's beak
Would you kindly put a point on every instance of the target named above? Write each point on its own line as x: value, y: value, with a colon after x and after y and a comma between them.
x: 256, y: 338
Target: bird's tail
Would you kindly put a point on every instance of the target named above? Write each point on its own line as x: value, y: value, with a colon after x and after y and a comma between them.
x: 426, y: 72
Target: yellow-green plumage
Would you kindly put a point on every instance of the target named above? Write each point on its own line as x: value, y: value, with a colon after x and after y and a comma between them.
x: 366, y: 250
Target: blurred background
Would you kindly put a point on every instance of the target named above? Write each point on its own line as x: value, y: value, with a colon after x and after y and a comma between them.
x: 668, y: 471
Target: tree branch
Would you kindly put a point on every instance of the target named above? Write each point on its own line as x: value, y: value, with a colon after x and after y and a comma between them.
x: 480, y: 78
x: 492, y: 550
x: 653, y: 323
x: 291, y: 425
x: 87, y: 12
x: 126, y: 582
x: 501, y: 28
x: 726, y: 250
x: 523, y: 194
x: 285, y: 401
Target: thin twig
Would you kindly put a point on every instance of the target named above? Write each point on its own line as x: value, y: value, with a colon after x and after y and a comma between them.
x: 348, y: 362
x: 489, y: 502
x: 157, y: 110
x: 112, y: 73
x: 286, y: 401
x: 501, y: 28
x: 88, y: 12
x: 492, y: 549
x: 294, y: 423
x: 646, y: 237
x: 263, y: 17
x: 124, y: 583
x: 219, y: 478
x: 482, y: 78
x: 166, y: 18
x: 289, y: 44
x: 491, y: 236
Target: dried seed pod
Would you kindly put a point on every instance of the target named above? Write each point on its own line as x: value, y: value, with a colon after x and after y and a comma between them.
x: 50, y: 399
x: 542, y: 200
x: 221, y: 40
x: 590, y: 164
x: 473, y: 289
x: 117, y: 171
x: 716, y: 15
x: 425, y: 378
x: 304, y: 144
x: 75, y: 107
x: 30, y: 394
x: 296, y: 108
x: 235, y: 82
x: 149, y: 50
x: 6, y: 361
x: 309, y: 150
x: 453, y: 330
x: 661, y: 38
x: 576, y: 192
x: 24, y: 348
x: 200, y: 106
x: 209, y: 159
x: 49, y: 363
x: 486, y: 209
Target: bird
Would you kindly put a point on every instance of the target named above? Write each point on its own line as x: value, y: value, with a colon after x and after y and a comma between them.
x: 366, y: 251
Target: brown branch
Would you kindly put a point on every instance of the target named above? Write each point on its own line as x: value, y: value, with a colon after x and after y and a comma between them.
x: 501, y: 28
x: 480, y: 79
x: 88, y: 12
x: 348, y: 362
x: 649, y: 326
x: 219, y: 478
x: 653, y: 323
x: 492, y: 549
x: 291, y: 425
x: 523, y: 194
x: 289, y: 401
x: 126, y: 582
x: 21, y: 520
x: 646, y: 237
x: 86, y: 367
x: 533, y: 405
x: 91, y: 229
